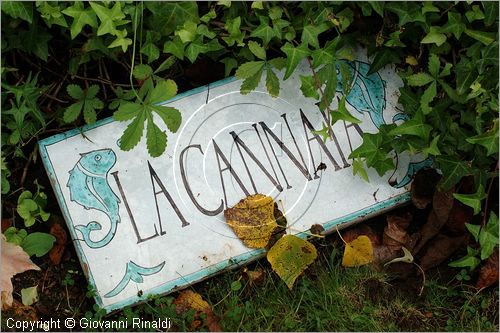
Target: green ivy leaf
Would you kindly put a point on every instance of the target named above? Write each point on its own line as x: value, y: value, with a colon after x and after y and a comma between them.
x: 51, y: 14
x: 81, y: 17
x: 427, y: 98
x: 378, y: 7
x: 308, y: 87
x: 469, y: 260
x: 484, y: 37
x: 264, y: 32
x: 175, y: 47
x: 488, y: 140
x: 433, y: 148
x: 454, y: 25
x: 475, y: 14
x: 294, y: 56
x: 490, y: 12
x: 310, y: 34
x: 229, y: 65
x: 272, y: 82
x: 343, y: 114
x: 453, y: 170
x: 167, y: 16
x: 358, y: 168
x: 472, y: 200
x: 419, y: 79
x: 383, y: 57
x: 188, y: 32
x: 209, y: 16
x: 195, y: 48
x: 169, y: 62
x: 415, y: 127
x: 38, y: 243
x: 374, y: 149
x: 110, y: 18
x: 35, y: 40
x: 407, y: 12
x: 235, y: 34
x: 434, y: 37
x: 18, y: 9
x: 488, y: 237
x: 121, y: 40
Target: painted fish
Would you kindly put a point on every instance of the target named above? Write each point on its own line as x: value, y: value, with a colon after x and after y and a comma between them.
x: 89, y: 187
x: 367, y: 92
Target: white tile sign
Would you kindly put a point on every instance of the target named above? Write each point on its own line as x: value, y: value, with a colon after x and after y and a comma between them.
x: 144, y: 225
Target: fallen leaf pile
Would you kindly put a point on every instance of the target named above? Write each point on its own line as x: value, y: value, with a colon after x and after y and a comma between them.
x: 252, y: 220
x: 14, y: 261
x: 188, y: 300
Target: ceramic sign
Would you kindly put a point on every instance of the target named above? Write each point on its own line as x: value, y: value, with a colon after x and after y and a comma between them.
x: 144, y: 225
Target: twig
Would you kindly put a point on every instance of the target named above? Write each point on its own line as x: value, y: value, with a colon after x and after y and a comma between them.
x: 102, y: 81
x: 25, y: 170
x: 483, y: 222
x: 423, y: 278
x: 337, y: 228
x: 102, y: 84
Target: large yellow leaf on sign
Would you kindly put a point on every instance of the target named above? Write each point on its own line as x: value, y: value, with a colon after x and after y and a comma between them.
x: 252, y: 220
x: 290, y: 256
x: 359, y: 252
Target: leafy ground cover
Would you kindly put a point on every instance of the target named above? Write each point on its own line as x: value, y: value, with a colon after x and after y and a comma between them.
x: 66, y: 64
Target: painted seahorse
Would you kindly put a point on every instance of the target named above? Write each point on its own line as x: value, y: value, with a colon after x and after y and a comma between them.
x: 367, y: 92
x: 88, y: 187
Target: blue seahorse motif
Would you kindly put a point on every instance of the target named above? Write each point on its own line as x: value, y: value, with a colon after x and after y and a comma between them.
x: 88, y: 187
x: 413, y: 168
x: 367, y: 92
x: 135, y: 273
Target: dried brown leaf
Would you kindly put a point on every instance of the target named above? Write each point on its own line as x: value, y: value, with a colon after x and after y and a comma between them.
x: 57, y: 251
x: 441, y: 207
x: 488, y: 275
x: 440, y: 249
x: 254, y: 277
x: 14, y: 261
x: 362, y: 230
x: 395, y: 236
x: 423, y: 187
x: 459, y: 215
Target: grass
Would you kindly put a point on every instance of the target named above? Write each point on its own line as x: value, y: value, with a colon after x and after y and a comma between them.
x: 329, y: 297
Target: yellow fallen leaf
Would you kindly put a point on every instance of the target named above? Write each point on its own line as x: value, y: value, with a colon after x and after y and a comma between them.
x: 359, y: 252
x: 188, y: 300
x: 411, y: 60
x: 252, y: 220
x: 290, y: 256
